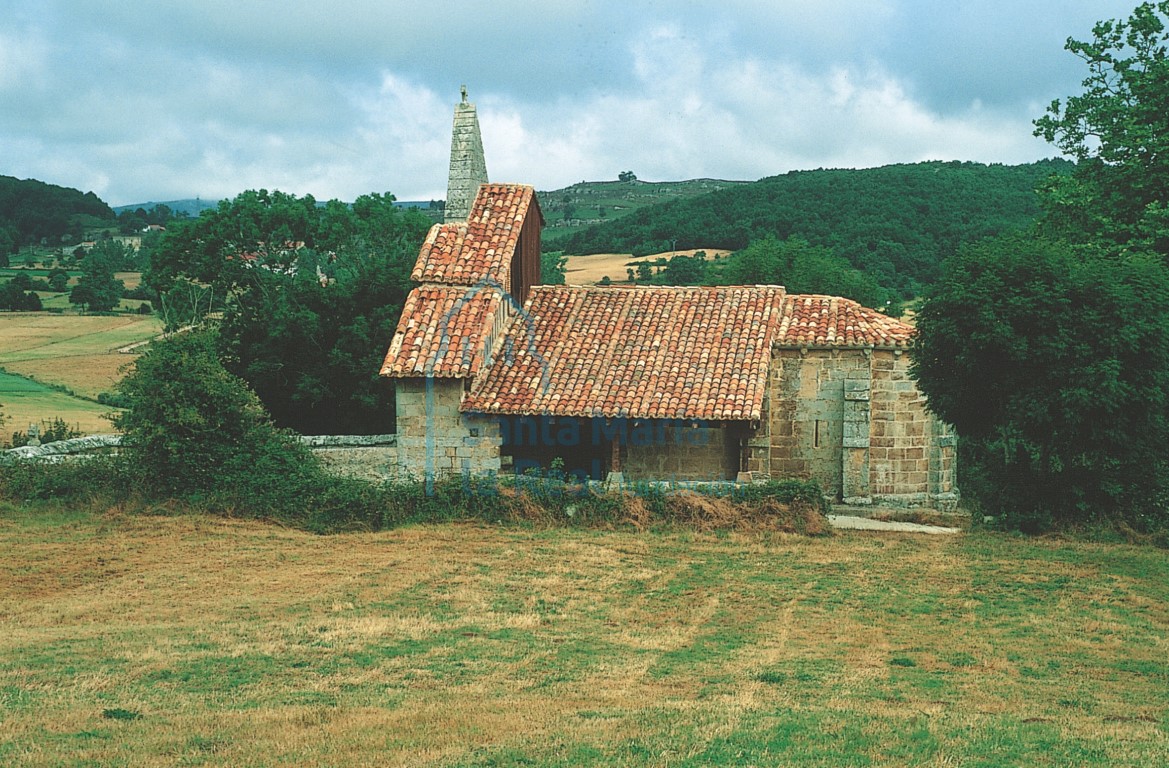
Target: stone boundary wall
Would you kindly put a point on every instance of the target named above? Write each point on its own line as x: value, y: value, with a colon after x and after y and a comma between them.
x: 368, y: 457
x: 60, y: 449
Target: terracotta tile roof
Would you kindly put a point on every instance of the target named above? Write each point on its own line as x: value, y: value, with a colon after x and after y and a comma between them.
x: 467, y: 253
x: 830, y: 321
x: 443, y: 332
x: 693, y: 353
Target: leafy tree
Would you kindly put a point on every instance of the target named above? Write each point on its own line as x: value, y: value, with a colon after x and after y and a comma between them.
x: 14, y: 298
x: 58, y: 280
x: 310, y: 297
x: 552, y: 264
x: 97, y: 289
x: 117, y: 255
x: 1052, y: 362
x: 802, y: 268
x: 627, y: 176
x: 9, y: 243
x: 685, y: 270
x: 130, y: 222
x: 187, y: 303
x: 1118, y: 131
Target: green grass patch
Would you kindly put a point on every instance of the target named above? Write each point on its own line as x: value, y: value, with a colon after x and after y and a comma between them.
x: 186, y: 639
x: 27, y: 402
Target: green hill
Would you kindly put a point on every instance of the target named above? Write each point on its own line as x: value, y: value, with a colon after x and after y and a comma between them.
x: 591, y: 202
x: 31, y: 211
x: 895, y: 223
x: 189, y: 206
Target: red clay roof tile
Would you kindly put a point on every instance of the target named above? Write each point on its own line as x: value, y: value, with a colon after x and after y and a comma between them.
x: 830, y: 321
x: 479, y: 249
x: 443, y: 332
x: 692, y: 353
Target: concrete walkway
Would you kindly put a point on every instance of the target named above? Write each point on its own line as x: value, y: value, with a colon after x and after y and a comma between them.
x: 865, y: 524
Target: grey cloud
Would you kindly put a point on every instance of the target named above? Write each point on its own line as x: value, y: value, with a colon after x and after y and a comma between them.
x: 145, y: 100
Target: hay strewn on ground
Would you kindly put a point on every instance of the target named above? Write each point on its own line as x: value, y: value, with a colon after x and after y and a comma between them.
x: 164, y: 640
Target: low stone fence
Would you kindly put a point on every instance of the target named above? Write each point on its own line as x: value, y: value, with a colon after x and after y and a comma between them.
x: 61, y: 449
x: 369, y: 457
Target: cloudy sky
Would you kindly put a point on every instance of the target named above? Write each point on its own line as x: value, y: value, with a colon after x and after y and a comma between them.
x: 162, y: 100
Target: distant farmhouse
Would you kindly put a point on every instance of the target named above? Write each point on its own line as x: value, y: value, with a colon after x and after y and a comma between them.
x: 497, y: 373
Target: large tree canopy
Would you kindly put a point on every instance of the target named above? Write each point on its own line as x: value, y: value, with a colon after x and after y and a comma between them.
x: 1049, y: 351
x: 97, y: 289
x: 310, y: 295
x: 802, y: 268
x: 1052, y: 362
x: 1118, y: 131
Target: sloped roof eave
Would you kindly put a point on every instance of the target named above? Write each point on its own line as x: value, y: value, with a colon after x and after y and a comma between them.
x: 442, y: 333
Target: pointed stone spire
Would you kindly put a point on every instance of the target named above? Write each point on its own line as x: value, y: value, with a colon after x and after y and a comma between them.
x: 468, y: 166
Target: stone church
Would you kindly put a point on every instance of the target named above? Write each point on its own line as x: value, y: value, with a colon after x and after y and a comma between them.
x: 496, y: 373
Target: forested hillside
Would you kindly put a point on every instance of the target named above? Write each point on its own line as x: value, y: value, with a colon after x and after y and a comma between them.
x: 31, y: 210
x: 571, y: 208
x: 894, y: 223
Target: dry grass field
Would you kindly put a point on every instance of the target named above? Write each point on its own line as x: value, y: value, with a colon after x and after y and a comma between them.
x: 588, y: 270
x: 186, y: 640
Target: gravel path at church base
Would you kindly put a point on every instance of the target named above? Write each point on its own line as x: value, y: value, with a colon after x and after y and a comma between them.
x: 864, y: 524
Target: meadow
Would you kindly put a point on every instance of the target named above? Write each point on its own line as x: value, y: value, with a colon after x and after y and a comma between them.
x: 587, y: 270
x: 43, y: 353
x: 27, y: 402
x: 188, y: 640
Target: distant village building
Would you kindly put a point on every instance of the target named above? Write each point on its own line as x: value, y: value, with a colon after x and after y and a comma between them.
x: 497, y: 373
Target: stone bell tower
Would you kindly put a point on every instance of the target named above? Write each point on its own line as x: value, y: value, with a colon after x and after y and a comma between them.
x: 468, y: 166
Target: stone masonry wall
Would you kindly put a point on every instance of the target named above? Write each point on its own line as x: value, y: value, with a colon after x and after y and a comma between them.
x: 468, y: 168
x: 365, y: 457
x: 683, y: 453
x: 913, y: 455
x: 435, y: 439
x: 854, y: 421
x: 806, y: 392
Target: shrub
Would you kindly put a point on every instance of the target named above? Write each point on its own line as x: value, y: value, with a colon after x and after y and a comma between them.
x: 102, y: 476
x: 113, y: 399
x: 196, y: 433
x: 795, y: 505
